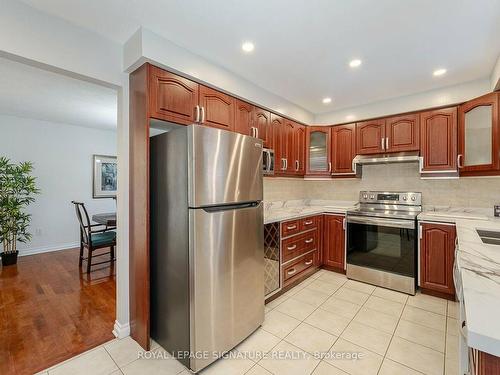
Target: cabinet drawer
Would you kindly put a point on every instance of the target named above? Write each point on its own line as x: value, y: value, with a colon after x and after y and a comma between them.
x: 308, y: 223
x: 290, y: 227
x: 300, y: 265
x: 297, y: 245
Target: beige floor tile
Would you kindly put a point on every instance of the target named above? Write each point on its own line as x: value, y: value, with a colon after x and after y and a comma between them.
x: 383, y: 322
x: 293, y: 291
x: 287, y: 359
x: 96, y: 362
x: 332, y: 277
x: 124, y: 351
x: 359, y: 287
x: 367, y: 337
x: 452, y: 346
x: 429, y: 303
x: 331, y: 323
x: 324, y: 287
x: 351, y: 295
x: 425, y: 318
x: 318, y: 274
x: 311, y: 339
x: 384, y: 306
x: 325, y: 368
x: 258, y: 342
x: 367, y: 364
x: 312, y: 297
x: 340, y: 307
x: 295, y: 308
x: 431, y: 338
x: 391, y: 295
x: 393, y: 368
x: 452, y: 311
x: 258, y: 370
x: 228, y: 366
x: 267, y: 309
x: 186, y: 372
x: 277, y: 301
x: 158, y: 362
x: 279, y: 324
x: 416, y: 356
x: 452, y: 327
x: 154, y: 344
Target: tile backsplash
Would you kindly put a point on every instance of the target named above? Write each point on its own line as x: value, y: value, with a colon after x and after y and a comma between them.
x: 463, y: 192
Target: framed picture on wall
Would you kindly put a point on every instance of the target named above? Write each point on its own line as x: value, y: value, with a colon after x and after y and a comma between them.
x: 105, y: 176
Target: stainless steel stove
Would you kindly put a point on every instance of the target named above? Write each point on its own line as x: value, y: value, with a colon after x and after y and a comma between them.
x: 382, y: 239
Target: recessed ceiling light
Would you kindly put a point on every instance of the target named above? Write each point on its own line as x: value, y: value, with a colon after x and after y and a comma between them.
x: 327, y: 100
x: 247, y: 46
x: 439, y: 72
x: 355, y: 63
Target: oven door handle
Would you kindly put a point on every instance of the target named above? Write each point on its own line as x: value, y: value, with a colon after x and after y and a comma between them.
x: 381, y: 222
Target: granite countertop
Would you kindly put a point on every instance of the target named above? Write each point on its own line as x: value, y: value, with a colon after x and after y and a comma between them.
x: 479, y: 266
x: 292, y: 209
x: 449, y: 214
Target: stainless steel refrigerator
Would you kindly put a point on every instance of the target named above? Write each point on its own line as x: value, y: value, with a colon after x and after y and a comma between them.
x: 207, y: 242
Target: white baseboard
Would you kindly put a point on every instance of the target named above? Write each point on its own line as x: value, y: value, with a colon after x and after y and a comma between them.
x: 48, y: 249
x: 121, y: 330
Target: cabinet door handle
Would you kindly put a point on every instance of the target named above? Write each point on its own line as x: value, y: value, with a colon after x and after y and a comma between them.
x: 459, y: 159
x: 309, y: 222
x: 197, y: 116
x: 296, y: 165
x: 309, y: 240
x: 202, y: 114
x: 256, y: 132
x: 343, y: 223
x: 382, y: 145
x: 308, y: 263
x: 291, y: 226
x: 386, y: 143
x: 329, y: 166
x: 291, y: 272
x: 292, y: 247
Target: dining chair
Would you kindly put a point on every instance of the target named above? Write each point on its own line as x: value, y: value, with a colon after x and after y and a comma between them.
x: 93, y: 238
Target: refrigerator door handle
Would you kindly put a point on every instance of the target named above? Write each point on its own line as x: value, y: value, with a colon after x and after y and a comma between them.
x: 228, y: 207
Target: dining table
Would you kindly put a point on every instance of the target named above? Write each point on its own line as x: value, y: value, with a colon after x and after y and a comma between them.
x: 108, y: 219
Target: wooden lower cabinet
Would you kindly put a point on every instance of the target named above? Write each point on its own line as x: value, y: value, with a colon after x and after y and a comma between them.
x: 437, y: 254
x: 334, y: 242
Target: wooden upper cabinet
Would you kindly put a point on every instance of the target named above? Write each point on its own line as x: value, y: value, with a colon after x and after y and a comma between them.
x: 437, y: 252
x: 318, y: 152
x: 370, y: 137
x: 172, y: 98
x: 343, y: 149
x: 262, y: 122
x: 300, y: 149
x: 478, y: 136
x: 243, y: 118
x: 334, y: 241
x: 279, y: 143
x: 402, y: 133
x: 438, y: 140
x: 217, y: 108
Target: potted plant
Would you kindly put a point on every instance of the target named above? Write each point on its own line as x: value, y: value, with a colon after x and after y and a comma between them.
x: 17, y: 190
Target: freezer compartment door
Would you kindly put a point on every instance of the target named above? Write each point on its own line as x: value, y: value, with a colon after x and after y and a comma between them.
x: 227, y: 278
x: 224, y: 167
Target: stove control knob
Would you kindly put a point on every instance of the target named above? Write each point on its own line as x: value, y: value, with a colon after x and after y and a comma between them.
x: 413, y: 198
x: 372, y: 196
x: 404, y: 197
x: 365, y: 196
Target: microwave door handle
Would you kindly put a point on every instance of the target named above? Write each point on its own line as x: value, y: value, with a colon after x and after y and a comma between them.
x: 268, y: 160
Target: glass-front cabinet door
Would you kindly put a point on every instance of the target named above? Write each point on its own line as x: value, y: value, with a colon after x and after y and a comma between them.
x: 318, y: 151
x: 479, y: 136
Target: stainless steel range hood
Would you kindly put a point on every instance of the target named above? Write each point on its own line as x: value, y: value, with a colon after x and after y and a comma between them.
x: 400, y: 157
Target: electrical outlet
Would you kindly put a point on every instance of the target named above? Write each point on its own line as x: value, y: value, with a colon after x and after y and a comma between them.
x: 38, y: 231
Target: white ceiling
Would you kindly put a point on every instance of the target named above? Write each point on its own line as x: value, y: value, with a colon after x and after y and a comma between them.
x: 26, y: 91
x: 302, y: 48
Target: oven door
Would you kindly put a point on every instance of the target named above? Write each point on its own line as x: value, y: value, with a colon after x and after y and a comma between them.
x: 383, y: 244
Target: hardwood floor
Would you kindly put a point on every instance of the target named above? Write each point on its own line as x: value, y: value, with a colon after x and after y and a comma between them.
x: 50, y: 311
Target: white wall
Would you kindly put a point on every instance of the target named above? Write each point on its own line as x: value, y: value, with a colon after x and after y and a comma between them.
x: 62, y: 158
x: 495, y: 76
x: 145, y: 45
x: 434, y: 98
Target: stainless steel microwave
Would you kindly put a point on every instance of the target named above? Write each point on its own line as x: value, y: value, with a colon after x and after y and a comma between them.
x: 268, y: 161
